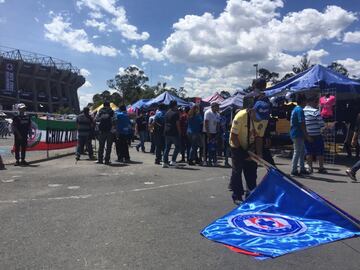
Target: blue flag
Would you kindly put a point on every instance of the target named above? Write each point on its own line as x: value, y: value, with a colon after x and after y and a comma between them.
x: 279, y: 217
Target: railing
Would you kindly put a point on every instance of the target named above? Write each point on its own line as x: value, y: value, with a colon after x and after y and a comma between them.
x: 35, y: 58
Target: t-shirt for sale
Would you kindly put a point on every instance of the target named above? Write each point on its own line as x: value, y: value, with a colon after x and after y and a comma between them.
x: 327, y: 105
x: 171, y: 117
x: 141, y: 123
x: 213, y: 120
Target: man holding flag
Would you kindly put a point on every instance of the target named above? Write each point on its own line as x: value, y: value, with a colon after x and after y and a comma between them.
x: 247, y: 132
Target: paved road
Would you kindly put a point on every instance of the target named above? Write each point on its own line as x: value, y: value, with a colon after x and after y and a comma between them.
x: 62, y: 215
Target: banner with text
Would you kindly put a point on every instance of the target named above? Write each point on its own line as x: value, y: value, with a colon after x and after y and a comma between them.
x: 51, y: 134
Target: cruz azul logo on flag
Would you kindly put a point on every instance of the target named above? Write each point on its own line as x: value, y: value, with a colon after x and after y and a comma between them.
x: 266, y: 224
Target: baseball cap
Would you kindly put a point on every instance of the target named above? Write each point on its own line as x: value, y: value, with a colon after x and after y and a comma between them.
x: 262, y: 110
x: 21, y: 106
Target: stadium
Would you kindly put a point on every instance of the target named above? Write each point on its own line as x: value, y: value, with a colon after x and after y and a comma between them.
x: 43, y: 83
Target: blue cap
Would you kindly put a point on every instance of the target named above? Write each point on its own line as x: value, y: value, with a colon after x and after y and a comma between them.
x: 262, y: 110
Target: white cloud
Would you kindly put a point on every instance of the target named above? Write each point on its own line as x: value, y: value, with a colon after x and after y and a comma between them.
x: 36, y: 19
x: 2, y: 1
x: 85, y: 98
x: 221, y: 50
x: 60, y: 30
x: 119, y: 20
x: 151, y: 53
x: 96, y: 15
x: 95, y: 36
x: 2, y: 20
x: 133, y: 52
x: 352, y: 65
x: 166, y: 77
x: 352, y: 37
x: 101, y: 26
x: 87, y: 84
x: 84, y: 72
x: 144, y: 63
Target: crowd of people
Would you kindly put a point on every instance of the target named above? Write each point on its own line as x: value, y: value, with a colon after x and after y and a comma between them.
x: 201, y: 136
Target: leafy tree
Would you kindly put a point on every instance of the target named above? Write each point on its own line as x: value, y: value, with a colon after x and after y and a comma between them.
x: 337, y: 67
x: 128, y: 83
x: 304, y: 64
x: 268, y: 76
x: 99, y: 99
x: 225, y: 94
x: 147, y: 92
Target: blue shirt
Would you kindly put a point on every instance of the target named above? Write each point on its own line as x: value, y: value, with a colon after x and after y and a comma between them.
x: 297, y: 118
x: 123, y: 124
x: 195, y: 124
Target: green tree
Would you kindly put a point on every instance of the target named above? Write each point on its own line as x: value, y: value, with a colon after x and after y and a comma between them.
x: 268, y: 76
x: 129, y: 83
x: 287, y: 76
x: 225, y: 94
x: 337, y: 67
x: 303, y: 65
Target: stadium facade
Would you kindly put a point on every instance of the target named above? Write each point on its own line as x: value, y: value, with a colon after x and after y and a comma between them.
x: 43, y: 83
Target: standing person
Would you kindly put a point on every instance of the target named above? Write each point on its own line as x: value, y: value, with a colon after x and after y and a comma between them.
x: 21, y: 127
x: 172, y: 132
x: 314, y: 123
x: 247, y: 131
x: 85, y: 126
x: 123, y: 132
x: 298, y: 134
x: 194, y: 128
x: 159, y: 137
x: 351, y: 172
x: 151, y: 131
x: 141, y: 130
x: 211, y: 126
x: 105, y: 118
x: 184, y: 141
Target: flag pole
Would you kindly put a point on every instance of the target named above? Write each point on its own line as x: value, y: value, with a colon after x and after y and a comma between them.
x: 310, y: 192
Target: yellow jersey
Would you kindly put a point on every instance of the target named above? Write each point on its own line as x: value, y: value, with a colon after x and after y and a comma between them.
x: 240, y: 128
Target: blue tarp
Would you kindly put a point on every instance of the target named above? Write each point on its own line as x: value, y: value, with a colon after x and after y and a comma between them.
x: 165, y: 98
x: 316, y: 77
x: 139, y: 104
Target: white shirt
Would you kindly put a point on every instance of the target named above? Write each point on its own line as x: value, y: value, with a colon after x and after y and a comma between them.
x: 213, y: 120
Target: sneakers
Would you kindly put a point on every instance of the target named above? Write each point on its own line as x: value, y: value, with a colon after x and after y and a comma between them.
x: 351, y: 174
x: 296, y: 173
x: 227, y: 165
x: 191, y: 163
x: 305, y: 172
x: 165, y: 165
x: 173, y: 163
x: 237, y: 200
x: 24, y: 163
x: 137, y: 148
x: 157, y: 162
x: 17, y: 163
x: 77, y: 157
x: 107, y: 162
x: 322, y: 170
x: 99, y: 162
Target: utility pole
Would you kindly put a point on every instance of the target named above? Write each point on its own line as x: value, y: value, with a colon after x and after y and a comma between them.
x: 256, y: 70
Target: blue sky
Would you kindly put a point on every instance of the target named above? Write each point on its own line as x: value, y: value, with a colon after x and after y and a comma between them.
x: 205, y: 46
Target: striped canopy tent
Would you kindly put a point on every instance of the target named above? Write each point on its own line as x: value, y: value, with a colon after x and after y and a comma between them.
x: 214, y: 98
x: 112, y: 105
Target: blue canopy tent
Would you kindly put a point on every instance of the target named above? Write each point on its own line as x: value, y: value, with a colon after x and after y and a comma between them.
x: 137, y: 105
x: 165, y: 98
x: 315, y: 78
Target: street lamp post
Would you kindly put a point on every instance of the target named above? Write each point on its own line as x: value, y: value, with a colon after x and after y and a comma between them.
x: 256, y: 70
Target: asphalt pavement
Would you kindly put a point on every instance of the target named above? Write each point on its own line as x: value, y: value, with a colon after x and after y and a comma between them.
x: 59, y: 214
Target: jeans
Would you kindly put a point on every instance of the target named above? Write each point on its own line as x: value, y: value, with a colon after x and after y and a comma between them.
x: 169, y: 140
x: 159, y: 141
x: 20, y: 143
x: 185, y: 146
x: 122, y: 147
x: 195, y: 143
x: 239, y: 165
x: 356, y: 167
x: 105, y: 137
x: 299, y: 155
x: 152, y: 140
x: 82, y: 141
x: 142, y: 137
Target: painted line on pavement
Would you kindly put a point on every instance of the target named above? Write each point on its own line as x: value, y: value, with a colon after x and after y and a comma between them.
x: 86, y: 196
